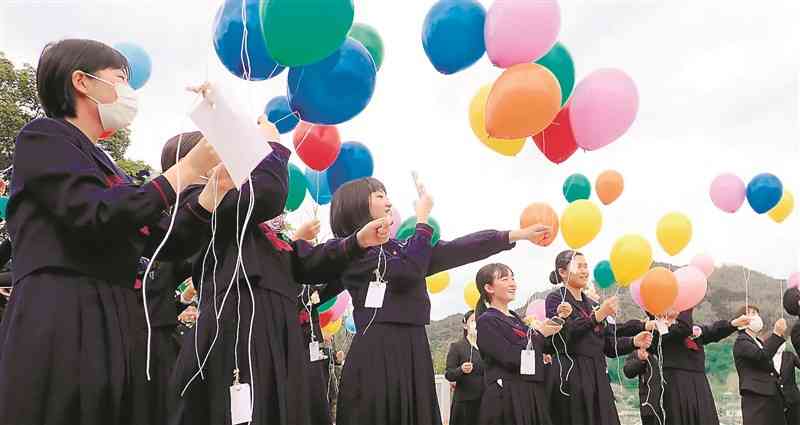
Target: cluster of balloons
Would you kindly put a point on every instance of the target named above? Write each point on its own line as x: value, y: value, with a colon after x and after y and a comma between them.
x: 765, y: 193
x: 332, y: 62
x: 661, y: 289
x: 331, y: 313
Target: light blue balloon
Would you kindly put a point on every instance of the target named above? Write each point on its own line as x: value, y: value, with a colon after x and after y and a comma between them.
x: 350, y: 324
x: 139, y: 62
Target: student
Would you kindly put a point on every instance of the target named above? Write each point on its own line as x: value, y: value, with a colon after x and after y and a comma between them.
x: 791, y: 303
x: 465, y: 369
x: 391, y: 334
x: 585, y: 397
x: 644, y: 366
x: 247, y: 334
x: 785, y: 363
x: 515, y: 388
x: 78, y: 229
x: 762, y: 402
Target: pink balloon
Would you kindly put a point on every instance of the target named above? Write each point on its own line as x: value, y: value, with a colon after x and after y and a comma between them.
x: 635, y: 290
x: 704, y: 262
x: 692, y: 287
x: 727, y: 192
x: 794, y: 280
x: 602, y: 108
x: 338, y: 309
x: 520, y: 31
x: 536, y: 309
x: 397, y: 220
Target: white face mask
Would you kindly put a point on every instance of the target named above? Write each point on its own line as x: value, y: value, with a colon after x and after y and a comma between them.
x: 121, y: 112
x: 756, y: 324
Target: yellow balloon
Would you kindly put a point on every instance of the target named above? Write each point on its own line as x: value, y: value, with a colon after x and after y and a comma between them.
x: 674, y: 232
x: 438, y: 282
x: 784, y: 207
x: 471, y: 294
x: 580, y: 223
x: 630, y: 258
x: 332, y: 327
x: 477, y: 120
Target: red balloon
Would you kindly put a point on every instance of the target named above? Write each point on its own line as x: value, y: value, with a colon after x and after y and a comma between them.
x: 317, y: 145
x: 106, y: 134
x: 325, y: 318
x: 557, y: 141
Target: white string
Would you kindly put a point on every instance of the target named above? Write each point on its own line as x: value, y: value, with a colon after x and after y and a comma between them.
x: 210, y: 248
x: 381, y: 253
x: 746, y: 274
x: 649, y: 391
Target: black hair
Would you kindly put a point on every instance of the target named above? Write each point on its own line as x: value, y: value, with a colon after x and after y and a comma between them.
x: 485, y: 276
x: 743, y: 309
x: 466, y: 319
x: 60, y: 60
x: 188, y: 141
x: 350, y: 205
x: 562, y: 262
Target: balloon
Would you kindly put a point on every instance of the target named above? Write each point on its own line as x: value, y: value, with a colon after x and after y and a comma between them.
x: 630, y: 258
x: 556, y: 141
x: 576, y: 187
x: 537, y: 310
x: 297, y: 188
x: 107, y: 134
x: 609, y: 186
x: 342, y: 301
x: 318, y: 186
x: 692, y: 287
x: 332, y: 328
x: 452, y: 34
x: 674, y: 231
x: 603, y: 107
x: 471, y: 294
x: 3, y: 207
x: 704, y: 262
x: 397, y: 219
x: 354, y: 162
x: 438, y: 282
x: 326, y: 306
x: 334, y: 89
x: 139, y: 63
x: 317, y: 145
x: 793, y: 281
x: 326, y: 318
x: 523, y: 101
x: 764, y: 192
x: 521, y: 31
x: 350, y: 324
x: 727, y: 192
x: 580, y: 223
x: 300, y: 32
x: 477, y: 120
x: 659, y: 290
x: 408, y: 228
x: 540, y: 213
x: 279, y: 113
x: 369, y: 38
x: 228, y: 34
x: 784, y: 207
x: 559, y: 62
x: 635, y: 290
x: 603, y: 274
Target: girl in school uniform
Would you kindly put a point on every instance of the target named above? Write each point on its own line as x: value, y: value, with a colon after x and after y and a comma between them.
x: 465, y: 369
x: 513, y: 354
x: 791, y: 304
x: 785, y: 363
x: 78, y: 228
x: 584, y: 395
x: 644, y: 367
x: 762, y: 402
x: 388, y: 377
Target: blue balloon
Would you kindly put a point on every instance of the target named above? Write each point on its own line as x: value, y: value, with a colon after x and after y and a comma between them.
x: 228, y: 35
x: 139, y: 62
x: 452, y: 34
x: 334, y: 89
x: 354, y: 162
x: 318, y: 186
x: 350, y: 324
x: 3, y: 207
x: 764, y: 192
x: 279, y: 113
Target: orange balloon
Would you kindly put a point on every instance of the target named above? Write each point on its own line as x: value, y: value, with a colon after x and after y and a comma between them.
x: 541, y: 213
x: 659, y: 290
x: 609, y: 186
x: 523, y: 102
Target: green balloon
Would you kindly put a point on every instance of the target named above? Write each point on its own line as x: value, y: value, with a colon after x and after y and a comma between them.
x: 576, y: 187
x: 603, y: 275
x: 301, y: 32
x: 3, y: 206
x: 297, y: 188
x: 409, y: 226
x: 369, y: 38
x: 559, y: 62
x: 327, y: 305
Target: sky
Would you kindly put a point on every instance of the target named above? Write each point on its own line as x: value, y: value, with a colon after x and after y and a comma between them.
x: 718, y: 81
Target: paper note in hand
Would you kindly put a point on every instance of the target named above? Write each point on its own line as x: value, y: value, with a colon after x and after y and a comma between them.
x: 236, y: 138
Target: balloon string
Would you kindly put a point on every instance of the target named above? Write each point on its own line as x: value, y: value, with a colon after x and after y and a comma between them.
x: 303, y: 140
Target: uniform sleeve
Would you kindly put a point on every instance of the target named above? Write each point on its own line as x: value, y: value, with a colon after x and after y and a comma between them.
x: 492, y: 344
x: 190, y: 232
x: 718, y: 331
x: 629, y: 328
x: 453, y: 368
x: 467, y: 249
x: 323, y: 262
x: 619, y: 346
x: 746, y: 348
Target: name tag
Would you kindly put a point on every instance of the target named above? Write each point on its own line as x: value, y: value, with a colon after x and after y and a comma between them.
x: 662, y: 327
x: 527, y: 363
x: 241, y: 411
x: 375, y: 294
x: 314, y: 352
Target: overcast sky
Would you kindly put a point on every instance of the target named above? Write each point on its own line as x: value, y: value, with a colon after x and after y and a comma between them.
x: 718, y: 84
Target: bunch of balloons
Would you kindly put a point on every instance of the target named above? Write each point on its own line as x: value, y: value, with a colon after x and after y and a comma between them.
x: 765, y: 193
x: 332, y: 311
x: 661, y: 290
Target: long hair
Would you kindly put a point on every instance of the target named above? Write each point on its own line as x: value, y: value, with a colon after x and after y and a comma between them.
x: 486, y: 276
